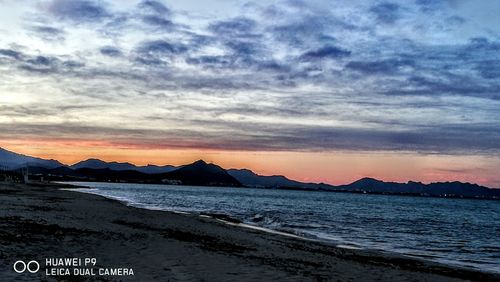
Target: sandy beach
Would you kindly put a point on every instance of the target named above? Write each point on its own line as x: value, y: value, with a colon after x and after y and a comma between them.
x: 40, y: 222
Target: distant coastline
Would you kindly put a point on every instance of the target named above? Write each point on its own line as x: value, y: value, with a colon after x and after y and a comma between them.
x: 201, y: 173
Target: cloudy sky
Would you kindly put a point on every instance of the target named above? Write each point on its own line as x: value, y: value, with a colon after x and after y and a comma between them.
x: 316, y: 90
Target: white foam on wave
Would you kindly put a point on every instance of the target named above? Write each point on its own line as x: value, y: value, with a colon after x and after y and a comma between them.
x: 348, y: 247
x: 267, y: 230
x: 129, y: 202
x: 126, y: 201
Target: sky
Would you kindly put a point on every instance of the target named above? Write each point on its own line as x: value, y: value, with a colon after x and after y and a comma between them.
x: 322, y: 91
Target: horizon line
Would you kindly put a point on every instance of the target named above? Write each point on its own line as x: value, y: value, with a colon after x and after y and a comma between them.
x: 244, y: 168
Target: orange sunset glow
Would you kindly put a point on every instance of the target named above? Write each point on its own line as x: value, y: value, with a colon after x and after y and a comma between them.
x: 327, y: 167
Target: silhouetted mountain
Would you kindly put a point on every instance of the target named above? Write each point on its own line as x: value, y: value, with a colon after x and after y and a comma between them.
x: 370, y: 185
x: 251, y: 179
x: 197, y: 173
x: 99, y: 164
x: 13, y: 160
x: 154, y: 169
x: 460, y: 189
x: 91, y: 163
x: 90, y: 174
x: 373, y: 185
x: 59, y: 171
x: 201, y: 173
x: 442, y: 189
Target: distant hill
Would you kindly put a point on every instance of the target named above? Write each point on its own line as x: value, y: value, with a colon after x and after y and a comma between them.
x: 154, y: 169
x: 198, y: 173
x: 249, y: 178
x: 65, y: 173
x: 13, y: 160
x: 99, y: 164
x: 370, y: 185
x: 441, y: 189
x: 201, y: 173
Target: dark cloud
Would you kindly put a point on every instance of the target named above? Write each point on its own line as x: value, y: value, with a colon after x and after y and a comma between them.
x: 110, y: 51
x: 274, y: 66
x: 10, y: 53
x: 41, y: 61
x: 431, y: 6
x: 159, y: 22
x: 325, y: 53
x: 450, y: 139
x: 216, y: 84
x: 388, y: 66
x: 295, y: 34
x: 156, y: 15
x: 386, y: 12
x: 158, y: 52
x: 78, y: 10
x: 24, y: 111
x: 480, y: 47
x: 71, y: 64
x: 211, y: 61
x: 41, y: 110
x: 48, y: 33
x: 161, y: 47
x: 115, y: 26
x: 234, y: 27
x: 244, y: 49
x: 241, y: 55
x: 155, y: 7
x: 441, y: 139
x: 457, y: 170
x: 455, y: 20
x: 489, y: 69
x: 442, y: 86
x: 310, y: 30
x: 243, y: 46
x: 199, y: 40
x: 40, y: 64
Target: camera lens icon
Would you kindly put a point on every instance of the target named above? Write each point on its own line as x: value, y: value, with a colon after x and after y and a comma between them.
x: 32, y: 266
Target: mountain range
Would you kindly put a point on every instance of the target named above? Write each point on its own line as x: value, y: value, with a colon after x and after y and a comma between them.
x: 201, y: 173
x: 98, y: 164
x: 11, y: 160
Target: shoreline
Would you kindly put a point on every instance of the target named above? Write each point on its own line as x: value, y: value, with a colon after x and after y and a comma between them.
x: 191, y: 242
x: 402, y: 194
x: 227, y: 219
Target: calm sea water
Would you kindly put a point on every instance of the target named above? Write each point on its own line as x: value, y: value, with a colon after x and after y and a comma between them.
x: 452, y: 231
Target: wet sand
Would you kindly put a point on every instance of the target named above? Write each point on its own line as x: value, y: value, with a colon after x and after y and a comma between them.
x: 39, y: 222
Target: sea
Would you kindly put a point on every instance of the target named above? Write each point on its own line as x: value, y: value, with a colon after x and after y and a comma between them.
x: 459, y: 232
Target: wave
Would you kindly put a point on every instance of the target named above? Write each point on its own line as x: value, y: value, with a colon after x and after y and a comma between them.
x: 353, y: 229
